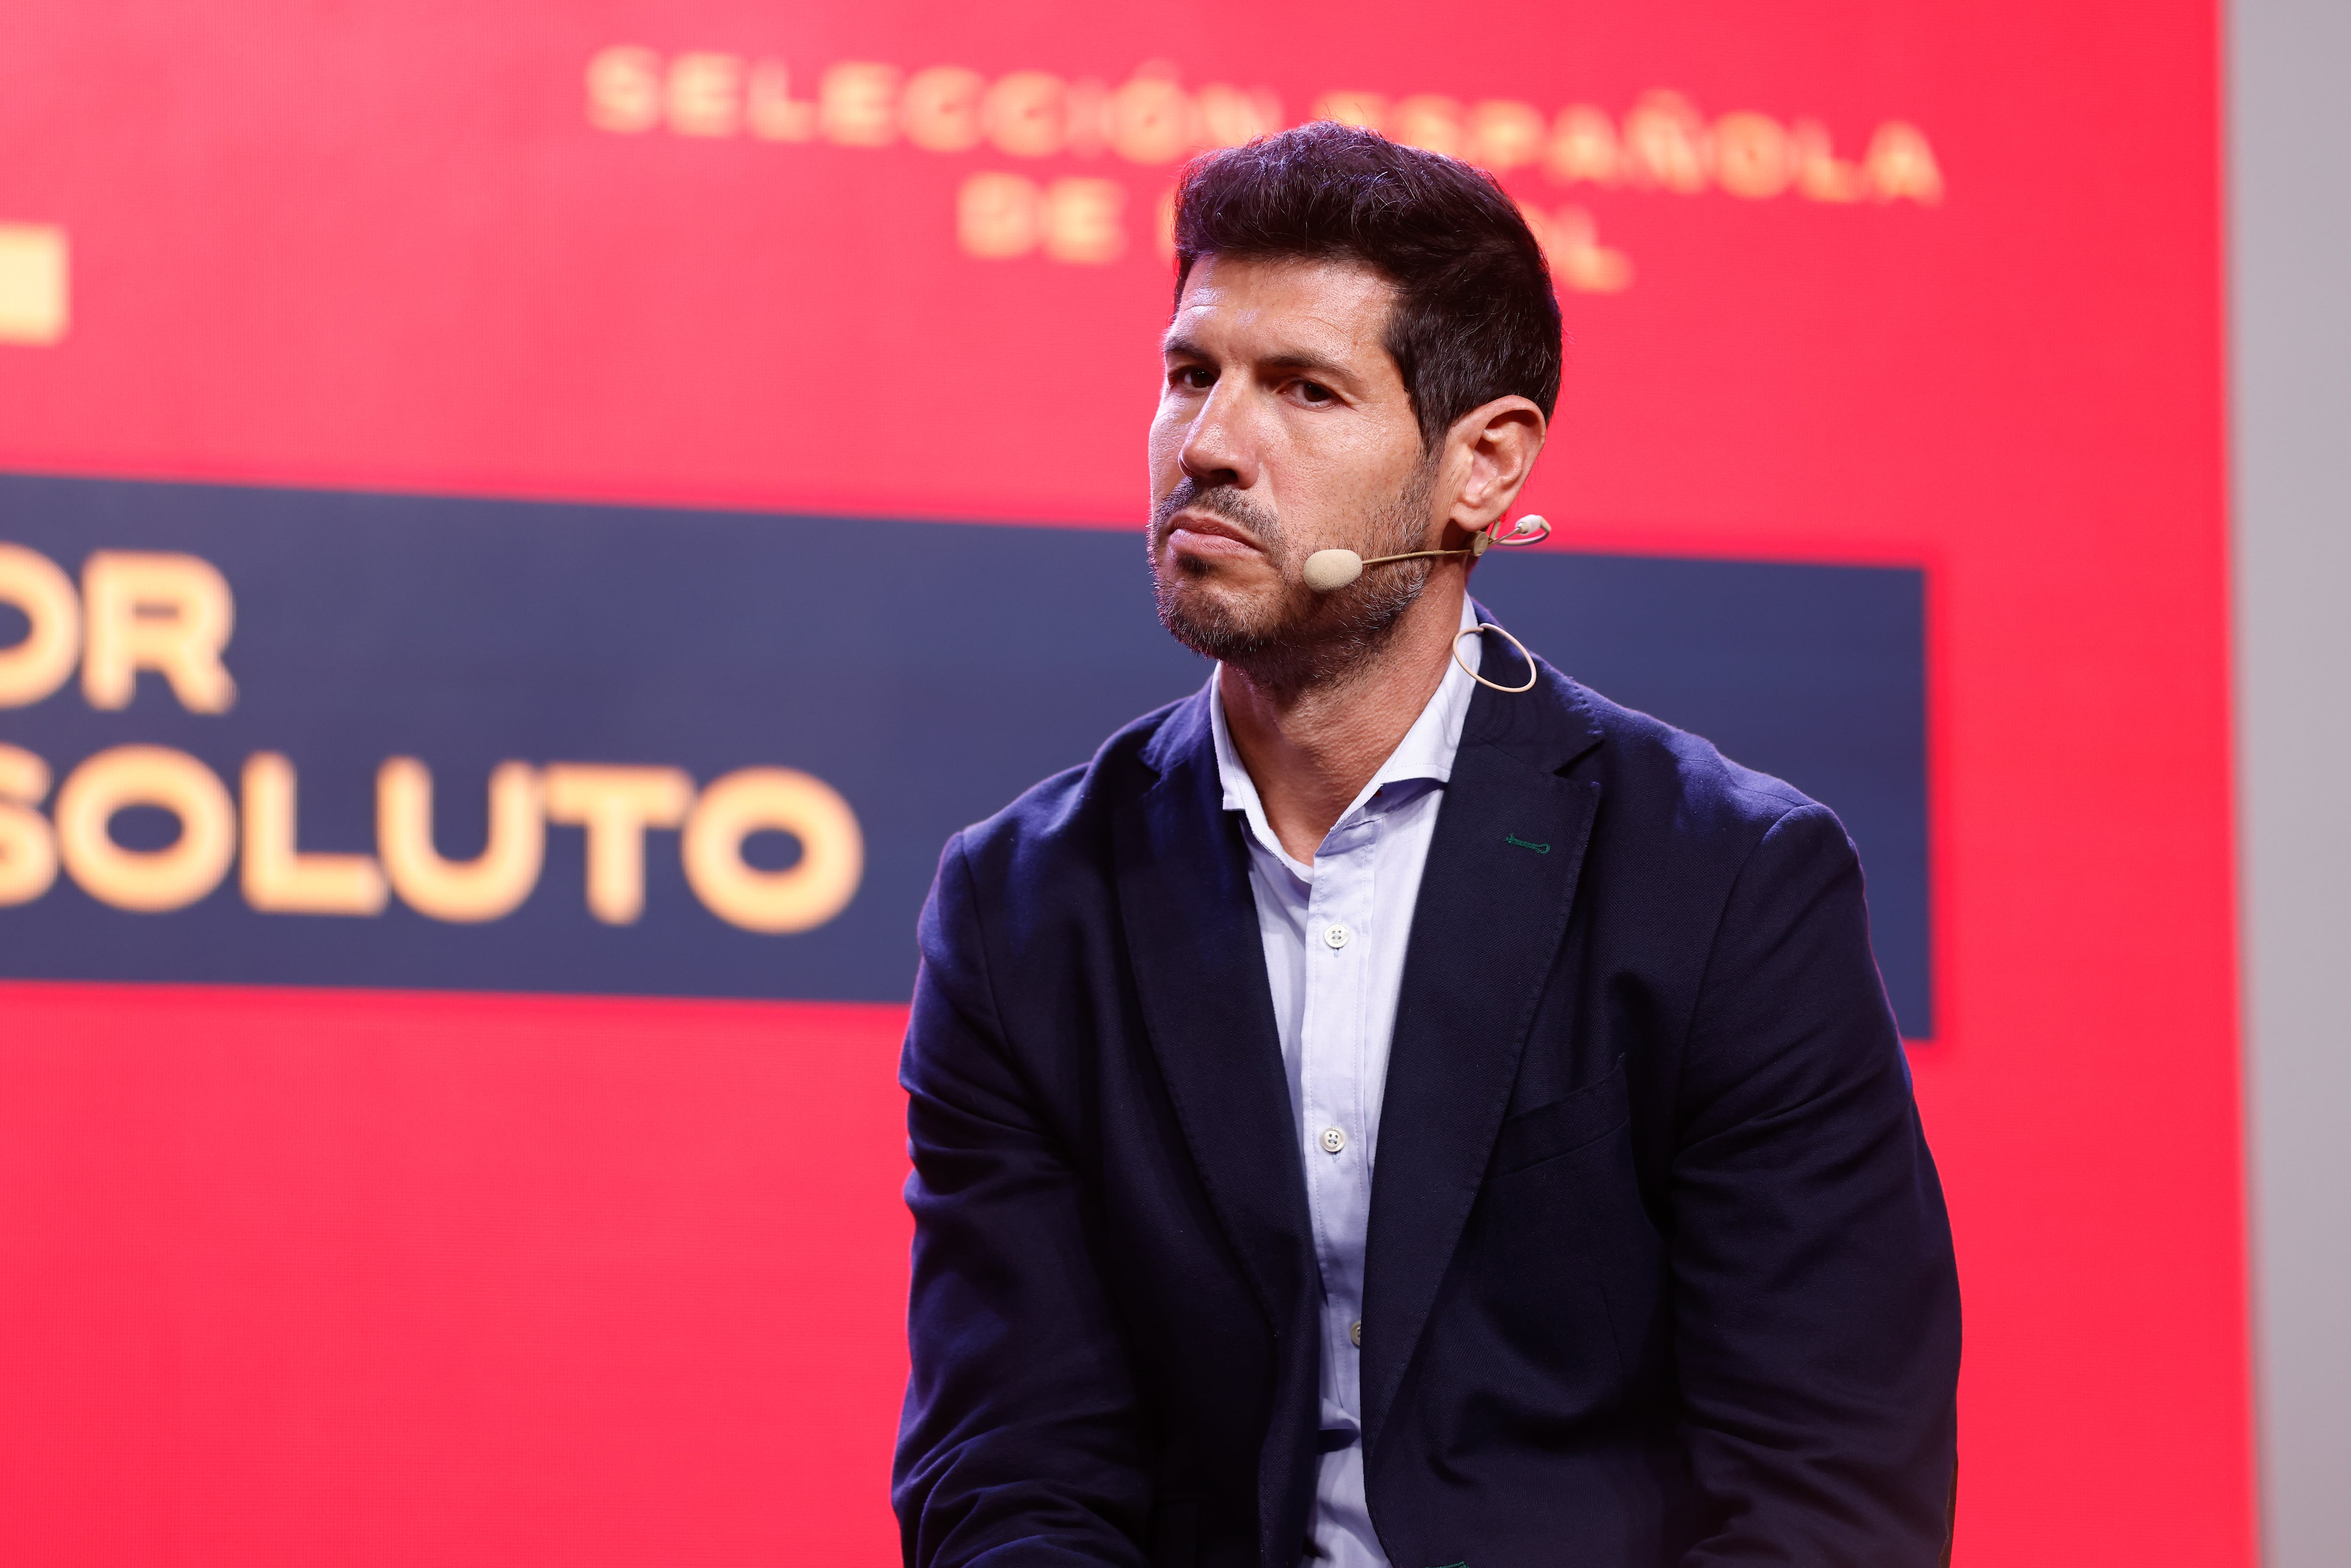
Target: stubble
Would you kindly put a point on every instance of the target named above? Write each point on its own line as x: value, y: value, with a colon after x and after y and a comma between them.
x: 1303, y: 639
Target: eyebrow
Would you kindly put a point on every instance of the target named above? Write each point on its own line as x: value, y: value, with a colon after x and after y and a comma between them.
x: 1300, y: 359
x: 1289, y: 359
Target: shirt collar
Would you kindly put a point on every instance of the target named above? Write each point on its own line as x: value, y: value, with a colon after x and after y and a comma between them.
x: 1426, y: 752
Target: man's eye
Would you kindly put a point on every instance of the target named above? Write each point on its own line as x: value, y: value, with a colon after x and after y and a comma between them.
x: 1196, y: 377
x: 1316, y: 392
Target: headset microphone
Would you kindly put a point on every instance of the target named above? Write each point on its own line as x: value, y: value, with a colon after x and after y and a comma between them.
x: 1328, y: 570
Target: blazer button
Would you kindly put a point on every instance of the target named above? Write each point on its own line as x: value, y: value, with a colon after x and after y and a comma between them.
x: 1355, y: 1333
x: 1334, y: 1140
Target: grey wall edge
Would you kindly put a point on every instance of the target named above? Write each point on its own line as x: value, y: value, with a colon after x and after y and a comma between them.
x: 2290, y: 171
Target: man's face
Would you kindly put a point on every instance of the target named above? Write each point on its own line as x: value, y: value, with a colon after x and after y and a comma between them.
x: 1283, y: 428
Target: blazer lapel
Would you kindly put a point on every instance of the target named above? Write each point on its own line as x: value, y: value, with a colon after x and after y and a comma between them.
x: 1494, y: 901
x: 1199, y: 970
x: 1199, y: 973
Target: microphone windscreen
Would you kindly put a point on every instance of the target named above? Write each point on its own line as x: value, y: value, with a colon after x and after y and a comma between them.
x: 1332, y: 568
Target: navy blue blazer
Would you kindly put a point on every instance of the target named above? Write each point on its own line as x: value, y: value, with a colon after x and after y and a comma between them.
x: 1657, y: 1271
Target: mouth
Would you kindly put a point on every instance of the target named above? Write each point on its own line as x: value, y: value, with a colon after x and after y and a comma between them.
x: 1200, y: 534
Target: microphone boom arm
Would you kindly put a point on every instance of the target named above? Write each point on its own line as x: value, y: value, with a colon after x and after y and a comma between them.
x: 1328, y: 569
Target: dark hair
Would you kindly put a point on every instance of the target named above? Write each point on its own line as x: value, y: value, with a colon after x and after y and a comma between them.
x: 1475, y: 317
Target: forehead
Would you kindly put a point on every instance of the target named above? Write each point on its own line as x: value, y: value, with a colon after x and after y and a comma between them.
x: 1257, y: 306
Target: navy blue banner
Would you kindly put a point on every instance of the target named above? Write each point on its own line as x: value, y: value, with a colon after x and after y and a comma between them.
x: 281, y: 736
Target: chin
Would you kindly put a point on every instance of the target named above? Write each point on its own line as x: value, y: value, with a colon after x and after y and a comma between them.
x: 1220, y: 620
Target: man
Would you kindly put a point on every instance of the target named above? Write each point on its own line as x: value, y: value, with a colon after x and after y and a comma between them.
x: 1371, y: 1115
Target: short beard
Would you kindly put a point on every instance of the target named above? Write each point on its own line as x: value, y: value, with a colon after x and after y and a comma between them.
x: 1309, y: 639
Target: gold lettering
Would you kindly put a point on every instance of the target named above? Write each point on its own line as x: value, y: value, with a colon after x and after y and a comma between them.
x: 150, y: 882
x: 1752, y: 156
x: 1584, y: 147
x: 773, y: 800
x: 1504, y: 135
x: 1023, y: 114
x: 491, y: 885
x: 1900, y: 163
x: 1432, y: 124
x: 1082, y: 220
x: 1578, y: 259
x: 624, y: 91
x: 279, y: 876
x: 1151, y: 121
x: 167, y: 612
x: 997, y: 216
x: 940, y: 109
x: 42, y: 662
x: 1666, y: 144
x: 705, y: 94
x: 1821, y: 174
x: 1231, y: 118
x: 773, y: 114
x: 857, y: 104
x: 616, y: 805
x: 28, y: 850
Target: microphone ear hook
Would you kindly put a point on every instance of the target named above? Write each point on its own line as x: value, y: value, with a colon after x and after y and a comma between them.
x: 1529, y: 529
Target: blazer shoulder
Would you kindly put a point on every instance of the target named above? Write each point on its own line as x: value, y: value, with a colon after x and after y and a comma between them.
x: 1066, y: 815
x: 1684, y: 780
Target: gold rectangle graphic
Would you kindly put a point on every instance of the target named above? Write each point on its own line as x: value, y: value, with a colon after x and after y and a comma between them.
x: 33, y: 283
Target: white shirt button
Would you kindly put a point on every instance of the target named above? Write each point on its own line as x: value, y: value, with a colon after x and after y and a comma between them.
x: 1355, y: 1333
x: 1334, y: 1140
x: 1336, y: 936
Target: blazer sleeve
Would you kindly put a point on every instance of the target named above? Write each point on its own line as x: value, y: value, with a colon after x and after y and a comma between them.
x: 1019, y: 1441
x: 1817, y: 1312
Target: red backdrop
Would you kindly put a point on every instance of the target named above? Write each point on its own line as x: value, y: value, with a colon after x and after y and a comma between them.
x: 303, y: 1276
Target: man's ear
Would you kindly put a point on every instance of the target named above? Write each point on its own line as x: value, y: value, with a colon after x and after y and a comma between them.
x: 1489, y: 453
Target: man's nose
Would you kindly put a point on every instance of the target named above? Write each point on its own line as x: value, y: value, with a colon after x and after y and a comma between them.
x: 1216, y: 448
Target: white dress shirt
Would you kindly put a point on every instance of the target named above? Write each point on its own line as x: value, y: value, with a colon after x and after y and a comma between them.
x: 1335, y: 935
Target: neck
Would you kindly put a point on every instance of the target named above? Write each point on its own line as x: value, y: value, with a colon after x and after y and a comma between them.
x: 1310, y: 751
